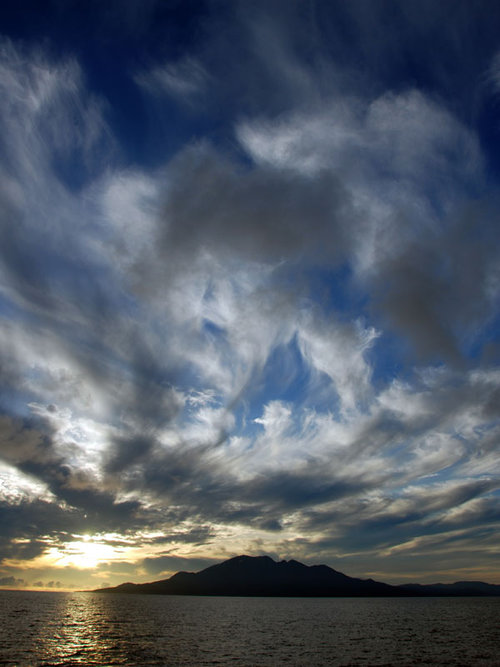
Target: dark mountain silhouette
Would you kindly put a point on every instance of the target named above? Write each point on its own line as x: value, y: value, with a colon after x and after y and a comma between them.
x: 459, y: 588
x: 262, y: 576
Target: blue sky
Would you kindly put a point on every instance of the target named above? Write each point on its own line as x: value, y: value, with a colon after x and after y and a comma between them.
x: 249, y: 288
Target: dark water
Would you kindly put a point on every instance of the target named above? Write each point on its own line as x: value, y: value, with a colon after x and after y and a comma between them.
x: 91, y: 629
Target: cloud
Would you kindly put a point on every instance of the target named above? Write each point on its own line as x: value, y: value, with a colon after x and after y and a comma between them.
x: 338, y: 351
x: 185, y: 80
x: 58, y: 120
x: 405, y: 161
x: 277, y: 337
x: 12, y: 582
x: 218, y: 206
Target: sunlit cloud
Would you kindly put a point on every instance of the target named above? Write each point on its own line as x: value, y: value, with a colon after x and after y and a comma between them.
x: 248, y: 302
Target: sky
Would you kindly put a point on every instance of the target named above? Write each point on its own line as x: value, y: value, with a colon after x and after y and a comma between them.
x: 249, y: 288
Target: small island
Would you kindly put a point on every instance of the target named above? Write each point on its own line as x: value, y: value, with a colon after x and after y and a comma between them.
x: 261, y: 576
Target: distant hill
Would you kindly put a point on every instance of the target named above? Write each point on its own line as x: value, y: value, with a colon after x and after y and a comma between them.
x: 261, y: 576
x: 459, y: 588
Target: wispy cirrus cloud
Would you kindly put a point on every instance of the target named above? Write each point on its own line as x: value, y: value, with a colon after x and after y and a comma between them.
x: 185, y: 81
x: 281, y: 338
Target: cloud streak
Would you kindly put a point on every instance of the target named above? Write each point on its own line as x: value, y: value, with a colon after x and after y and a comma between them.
x: 278, y: 332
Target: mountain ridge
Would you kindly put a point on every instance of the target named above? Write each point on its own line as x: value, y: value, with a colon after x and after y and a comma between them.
x: 261, y: 576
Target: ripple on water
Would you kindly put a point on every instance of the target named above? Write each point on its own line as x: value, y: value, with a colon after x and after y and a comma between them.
x: 54, y: 629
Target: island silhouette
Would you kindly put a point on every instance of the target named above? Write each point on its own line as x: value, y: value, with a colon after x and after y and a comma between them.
x: 261, y: 576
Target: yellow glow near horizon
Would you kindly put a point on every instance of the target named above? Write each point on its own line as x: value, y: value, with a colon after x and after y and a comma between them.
x: 89, y: 551
x: 88, y: 560
x: 84, y: 554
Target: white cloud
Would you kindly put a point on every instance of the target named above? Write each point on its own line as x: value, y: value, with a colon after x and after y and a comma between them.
x: 166, y: 293
x: 404, y: 159
x: 338, y: 350
x: 47, y: 114
x: 184, y: 80
x: 129, y: 204
x: 276, y: 420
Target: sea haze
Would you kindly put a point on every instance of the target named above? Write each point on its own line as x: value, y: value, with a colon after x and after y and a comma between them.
x: 90, y: 629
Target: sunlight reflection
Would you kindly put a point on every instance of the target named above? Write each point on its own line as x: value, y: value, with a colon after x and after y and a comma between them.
x: 78, y: 631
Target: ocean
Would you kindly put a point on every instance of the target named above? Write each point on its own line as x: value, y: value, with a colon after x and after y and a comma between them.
x: 46, y: 629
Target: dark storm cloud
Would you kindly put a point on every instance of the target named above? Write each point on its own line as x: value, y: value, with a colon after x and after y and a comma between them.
x: 392, y: 520
x: 152, y: 400
x: 127, y: 451
x: 215, y: 204
x: 79, y: 505
x: 199, y: 535
x: 440, y: 293
x: 28, y: 527
x: 97, y: 510
x: 30, y: 448
x: 198, y: 486
x: 288, y: 491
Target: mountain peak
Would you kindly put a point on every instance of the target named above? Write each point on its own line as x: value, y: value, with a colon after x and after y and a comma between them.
x: 262, y: 576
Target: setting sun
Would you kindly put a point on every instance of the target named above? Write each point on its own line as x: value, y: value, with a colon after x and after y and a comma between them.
x: 249, y: 316
x: 84, y: 554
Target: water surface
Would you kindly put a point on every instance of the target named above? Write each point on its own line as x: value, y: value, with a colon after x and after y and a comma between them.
x: 96, y: 629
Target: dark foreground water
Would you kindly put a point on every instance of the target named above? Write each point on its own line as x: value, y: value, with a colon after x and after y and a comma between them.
x: 92, y: 629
